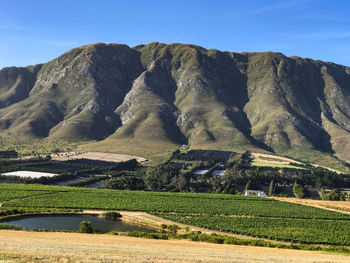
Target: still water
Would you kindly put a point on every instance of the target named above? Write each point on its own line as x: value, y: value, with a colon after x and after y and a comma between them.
x: 71, y: 223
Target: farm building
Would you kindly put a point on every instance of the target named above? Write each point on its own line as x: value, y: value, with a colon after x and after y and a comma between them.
x: 219, y: 172
x: 255, y: 193
x: 200, y: 172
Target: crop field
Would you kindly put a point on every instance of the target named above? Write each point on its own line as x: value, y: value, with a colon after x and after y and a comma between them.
x: 253, y: 216
x: 340, y: 206
x: 6, y: 195
x: 312, y: 231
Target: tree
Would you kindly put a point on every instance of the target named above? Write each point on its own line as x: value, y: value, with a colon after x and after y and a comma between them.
x: 85, y: 227
x: 179, y: 182
x: 123, y: 182
x: 247, y: 186
x: 159, y: 177
x: 298, y: 190
x: 336, y: 195
x: 318, y: 183
x: 271, y: 188
x: 173, y: 228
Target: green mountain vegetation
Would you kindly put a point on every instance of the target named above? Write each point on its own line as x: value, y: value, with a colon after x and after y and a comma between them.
x: 150, y: 99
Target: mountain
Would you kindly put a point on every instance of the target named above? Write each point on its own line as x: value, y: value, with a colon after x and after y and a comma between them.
x: 153, y: 98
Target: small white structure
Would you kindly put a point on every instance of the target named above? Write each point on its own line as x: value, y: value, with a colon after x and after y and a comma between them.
x: 221, y: 165
x: 219, y: 172
x: 200, y: 172
x: 184, y: 146
x: 28, y: 174
x: 255, y: 193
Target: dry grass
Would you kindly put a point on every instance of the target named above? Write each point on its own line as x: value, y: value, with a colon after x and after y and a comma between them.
x: 153, y: 150
x: 108, y: 157
x: 258, y: 157
x: 22, y: 246
x: 279, y: 160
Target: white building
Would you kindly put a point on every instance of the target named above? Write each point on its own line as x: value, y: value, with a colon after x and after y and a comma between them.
x: 255, y: 193
x: 200, y: 172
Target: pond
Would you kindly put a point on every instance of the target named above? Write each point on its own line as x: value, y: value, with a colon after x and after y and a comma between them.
x: 71, y: 223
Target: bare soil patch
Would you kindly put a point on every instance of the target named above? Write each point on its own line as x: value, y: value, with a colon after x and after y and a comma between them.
x: 22, y: 246
x: 100, y: 156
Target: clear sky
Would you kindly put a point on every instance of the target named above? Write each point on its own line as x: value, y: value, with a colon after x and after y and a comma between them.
x: 36, y: 31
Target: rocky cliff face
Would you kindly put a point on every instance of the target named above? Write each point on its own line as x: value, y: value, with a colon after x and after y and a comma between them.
x: 176, y: 94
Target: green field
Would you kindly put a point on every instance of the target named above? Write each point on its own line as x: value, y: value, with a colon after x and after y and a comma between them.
x: 277, y: 165
x: 252, y: 216
x: 298, y: 230
x: 19, y: 194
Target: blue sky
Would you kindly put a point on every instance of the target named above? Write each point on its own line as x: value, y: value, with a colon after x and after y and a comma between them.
x: 36, y: 31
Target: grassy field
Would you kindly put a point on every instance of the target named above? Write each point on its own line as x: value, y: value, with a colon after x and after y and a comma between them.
x: 277, y: 165
x: 26, y: 146
x: 152, y: 150
x: 314, y: 157
x: 254, y: 216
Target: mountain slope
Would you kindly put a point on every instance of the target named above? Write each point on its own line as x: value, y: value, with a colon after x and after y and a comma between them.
x: 155, y: 97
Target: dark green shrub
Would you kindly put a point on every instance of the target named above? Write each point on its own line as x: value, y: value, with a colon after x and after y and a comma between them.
x: 112, y: 215
x: 173, y: 228
x: 85, y: 227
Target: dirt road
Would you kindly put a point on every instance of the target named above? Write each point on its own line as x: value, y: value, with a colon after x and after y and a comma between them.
x: 22, y: 246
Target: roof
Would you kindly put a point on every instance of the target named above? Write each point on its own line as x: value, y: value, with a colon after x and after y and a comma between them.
x: 219, y: 172
x: 200, y: 172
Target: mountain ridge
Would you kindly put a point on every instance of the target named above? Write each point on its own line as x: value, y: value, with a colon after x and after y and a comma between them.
x: 165, y: 95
